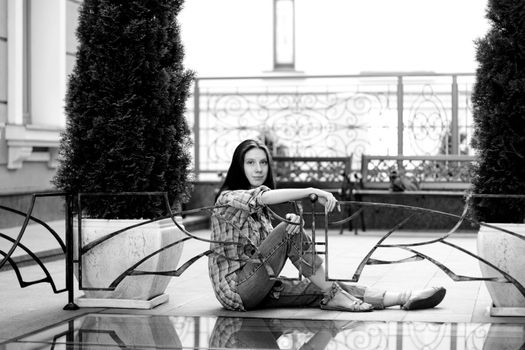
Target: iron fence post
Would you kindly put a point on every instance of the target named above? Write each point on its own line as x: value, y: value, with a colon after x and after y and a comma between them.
x: 455, y: 121
x: 196, y: 126
x: 69, y: 255
x: 400, y: 125
x: 70, y: 335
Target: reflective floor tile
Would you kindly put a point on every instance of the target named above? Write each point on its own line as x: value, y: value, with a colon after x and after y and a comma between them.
x: 106, y: 331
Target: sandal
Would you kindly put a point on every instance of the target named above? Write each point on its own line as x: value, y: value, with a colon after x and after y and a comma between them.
x: 356, y: 306
x: 433, y: 297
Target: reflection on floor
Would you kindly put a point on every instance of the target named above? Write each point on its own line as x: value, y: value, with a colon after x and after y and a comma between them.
x: 103, y: 331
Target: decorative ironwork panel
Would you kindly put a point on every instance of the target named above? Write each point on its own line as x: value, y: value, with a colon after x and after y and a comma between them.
x: 428, y: 115
x: 331, y: 116
x: 305, y: 120
x: 419, y: 169
x: 304, y: 169
x: 427, y: 119
x: 371, y: 258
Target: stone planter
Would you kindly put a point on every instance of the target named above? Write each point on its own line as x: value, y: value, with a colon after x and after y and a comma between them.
x: 506, y: 252
x: 105, y: 262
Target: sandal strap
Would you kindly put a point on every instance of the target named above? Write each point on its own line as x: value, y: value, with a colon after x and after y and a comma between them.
x: 329, y: 295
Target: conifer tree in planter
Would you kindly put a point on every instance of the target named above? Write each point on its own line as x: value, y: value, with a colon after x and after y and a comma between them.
x: 125, y: 104
x: 499, y: 138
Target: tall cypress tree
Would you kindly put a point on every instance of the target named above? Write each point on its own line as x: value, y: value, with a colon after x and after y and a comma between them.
x: 125, y: 107
x: 499, y: 113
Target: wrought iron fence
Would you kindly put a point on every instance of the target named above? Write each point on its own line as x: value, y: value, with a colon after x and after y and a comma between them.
x: 320, y: 246
x: 440, y: 172
x: 309, y: 116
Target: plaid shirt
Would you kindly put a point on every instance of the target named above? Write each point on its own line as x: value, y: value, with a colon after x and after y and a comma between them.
x: 243, y: 219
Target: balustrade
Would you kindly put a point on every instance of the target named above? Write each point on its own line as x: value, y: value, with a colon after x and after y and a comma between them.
x: 331, y: 116
x: 412, y: 213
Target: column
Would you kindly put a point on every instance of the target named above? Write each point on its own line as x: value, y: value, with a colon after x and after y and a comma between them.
x: 15, y: 61
x: 48, y: 62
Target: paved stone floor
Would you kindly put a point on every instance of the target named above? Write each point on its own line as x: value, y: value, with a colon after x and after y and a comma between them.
x: 32, y: 317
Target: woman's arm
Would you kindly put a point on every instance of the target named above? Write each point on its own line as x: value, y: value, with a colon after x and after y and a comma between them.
x: 291, y: 194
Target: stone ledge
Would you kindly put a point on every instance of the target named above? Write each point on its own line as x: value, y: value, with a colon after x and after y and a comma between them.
x: 31, y: 143
x: 384, y: 217
x: 122, y: 303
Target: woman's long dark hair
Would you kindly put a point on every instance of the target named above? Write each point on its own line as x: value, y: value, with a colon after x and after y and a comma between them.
x: 236, y: 178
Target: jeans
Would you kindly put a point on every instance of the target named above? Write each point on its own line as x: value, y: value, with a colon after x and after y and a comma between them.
x: 258, y: 289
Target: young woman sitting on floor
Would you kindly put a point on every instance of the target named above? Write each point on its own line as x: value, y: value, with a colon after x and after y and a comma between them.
x: 244, y: 270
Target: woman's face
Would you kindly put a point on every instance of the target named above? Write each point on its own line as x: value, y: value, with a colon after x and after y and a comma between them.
x: 256, y: 166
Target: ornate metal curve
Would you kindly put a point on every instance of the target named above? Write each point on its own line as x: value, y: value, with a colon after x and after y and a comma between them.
x: 16, y: 243
x: 27, y: 217
x: 332, y: 116
x: 367, y: 260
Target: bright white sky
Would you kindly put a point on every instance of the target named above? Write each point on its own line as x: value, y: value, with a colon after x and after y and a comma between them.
x: 234, y: 37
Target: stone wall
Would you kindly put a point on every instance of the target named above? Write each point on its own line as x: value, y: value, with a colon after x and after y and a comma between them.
x: 381, y: 217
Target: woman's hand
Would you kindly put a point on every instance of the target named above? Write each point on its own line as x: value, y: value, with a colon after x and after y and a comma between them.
x: 327, y: 200
x: 293, y: 229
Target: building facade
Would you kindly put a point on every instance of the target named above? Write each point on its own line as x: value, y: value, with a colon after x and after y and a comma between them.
x: 37, y: 50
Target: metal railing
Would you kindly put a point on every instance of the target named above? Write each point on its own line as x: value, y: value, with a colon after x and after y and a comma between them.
x: 323, y: 244
x: 331, y: 115
x: 66, y: 246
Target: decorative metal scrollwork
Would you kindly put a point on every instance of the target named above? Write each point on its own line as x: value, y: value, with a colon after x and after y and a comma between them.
x: 454, y: 169
x: 369, y: 258
x: 319, y: 121
x: 336, y: 116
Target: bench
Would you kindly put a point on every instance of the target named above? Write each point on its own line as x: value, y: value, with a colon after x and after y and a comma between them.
x: 327, y: 173
x: 441, y: 182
